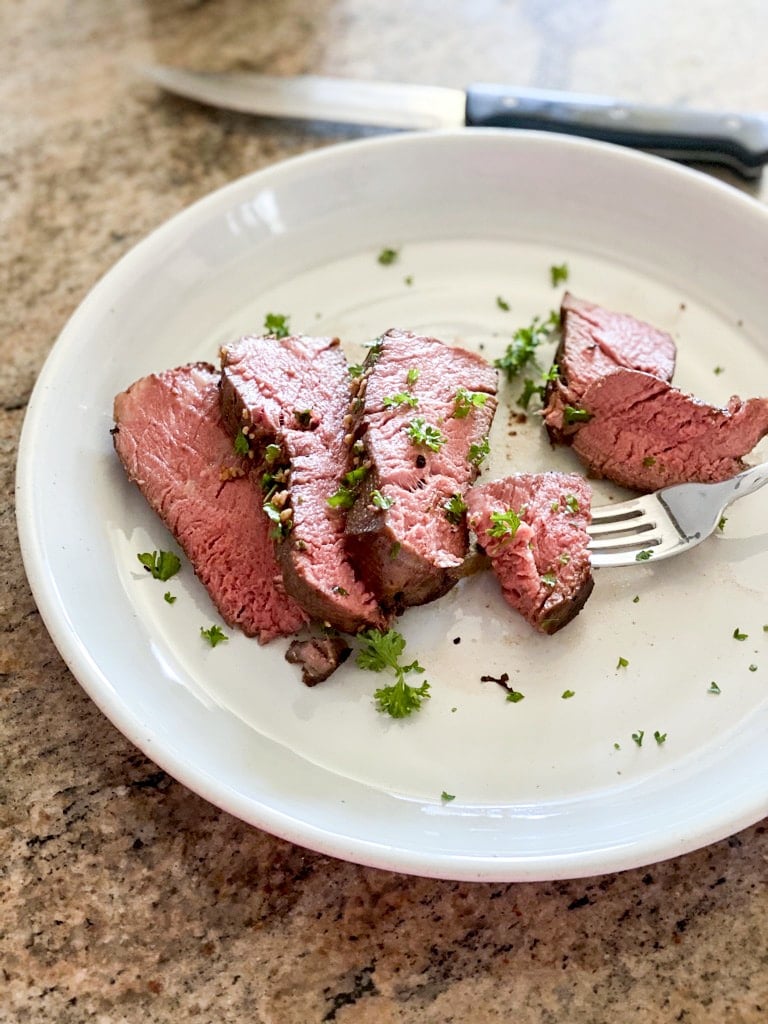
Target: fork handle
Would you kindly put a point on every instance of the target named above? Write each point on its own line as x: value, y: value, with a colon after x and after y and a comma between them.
x: 750, y: 480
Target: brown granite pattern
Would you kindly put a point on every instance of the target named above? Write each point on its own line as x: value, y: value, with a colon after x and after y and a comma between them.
x: 124, y: 897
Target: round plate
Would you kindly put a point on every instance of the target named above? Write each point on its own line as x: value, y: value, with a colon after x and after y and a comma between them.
x: 551, y: 786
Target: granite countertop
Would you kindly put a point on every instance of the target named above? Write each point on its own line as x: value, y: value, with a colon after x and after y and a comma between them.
x: 124, y: 896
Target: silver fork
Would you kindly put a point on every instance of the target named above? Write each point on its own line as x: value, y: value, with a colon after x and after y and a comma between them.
x: 666, y: 522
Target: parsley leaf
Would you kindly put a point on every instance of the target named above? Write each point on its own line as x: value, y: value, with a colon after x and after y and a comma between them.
x: 381, y: 501
x: 738, y: 635
x: 660, y: 737
x: 412, y: 376
x: 558, y: 275
x: 549, y: 579
x: 168, y: 597
x: 505, y: 524
x: 380, y: 651
x: 464, y: 401
x: 502, y: 303
x: 345, y: 496
x: 388, y: 256
x: 525, y: 341
x: 400, y: 699
x: 455, y: 508
x: 638, y: 737
x: 421, y: 432
x: 643, y: 556
x: 572, y: 414
x: 277, y: 325
x: 478, y: 451
x: 355, y: 370
x: 567, y: 694
x: 446, y: 797
x: 241, y: 445
x: 401, y: 398
x: 714, y: 688
x: 214, y: 635
x: 622, y: 663
x: 514, y: 696
x: 161, y: 564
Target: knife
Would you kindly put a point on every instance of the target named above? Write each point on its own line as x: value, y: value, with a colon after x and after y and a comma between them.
x: 737, y: 141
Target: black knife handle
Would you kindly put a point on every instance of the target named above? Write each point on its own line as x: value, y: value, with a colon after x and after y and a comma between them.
x: 739, y: 141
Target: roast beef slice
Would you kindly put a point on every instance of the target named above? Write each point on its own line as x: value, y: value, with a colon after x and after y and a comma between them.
x: 294, y: 393
x: 173, y: 444
x: 543, y: 563
x: 645, y: 434
x: 595, y: 342
x: 406, y: 539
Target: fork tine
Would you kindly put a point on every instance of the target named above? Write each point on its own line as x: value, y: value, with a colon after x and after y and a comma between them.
x: 624, y: 510
x: 628, y: 527
x: 629, y: 542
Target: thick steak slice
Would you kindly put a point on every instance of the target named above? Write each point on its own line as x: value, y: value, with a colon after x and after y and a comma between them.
x: 173, y: 444
x: 595, y: 342
x: 293, y: 393
x: 420, y: 411
x: 534, y: 529
x: 645, y: 434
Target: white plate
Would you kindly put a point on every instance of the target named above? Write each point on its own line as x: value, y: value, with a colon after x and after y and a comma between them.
x: 544, y: 788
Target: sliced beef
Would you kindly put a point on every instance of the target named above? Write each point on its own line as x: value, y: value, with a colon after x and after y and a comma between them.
x: 421, y: 413
x: 173, y: 444
x: 293, y: 394
x: 534, y: 529
x: 318, y: 656
x: 595, y: 342
x: 645, y: 434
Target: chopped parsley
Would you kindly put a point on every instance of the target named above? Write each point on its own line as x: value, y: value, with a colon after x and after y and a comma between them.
x: 345, y: 496
x: 408, y: 279
x: 738, y: 635
x: 214, y: 635
x: 549, y: 579
x: 558, y: 275
x: 721, y: 523
x: 572, y: 503
x: 502, y: 303
x: 479, y: 451
x: 421, y: 432
x: 388, y: 256
x: 277, y: 325
x: 447, y: 797
x: 649, y: 461
x: 660, y: 737
x: 718, y: 370
x: 514, y: 696
x: 525, y: 341
x: 271, y: 453
x: 380, y: 651
x: 464, y: 401
x: 567, y: 694
x: 381, y: 501
x: 355, y: 370
x: 714, y: 688
x: 161, y: 564
x: 622, y: 663
x: 455, y: 508
x: 401, y: 398
x: 573, y: 414
x: 643, y: 556
x: 638, y: 737
x: 303, y: 417
x: 168, y: 597
x: 241, y: 445
x: 505, y: 524
x: 412, y: 376
x: 753, y: 668
x: 282, y: 525
x: 564, y: 558
x: 636, y: 599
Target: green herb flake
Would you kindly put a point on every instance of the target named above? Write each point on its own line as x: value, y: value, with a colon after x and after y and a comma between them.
x: 660, y: 737
x: 422, y: 433
x: 522, y: 349
x: 564, y: 558
x: 721, y: 523
x: 638, y: 737
x: 505, y: 524
x: 401, y: 398
x: 240, y: 444
x: 394, y: 551
x: 277, y: 325
x: 718, y: 370
x: 281, y: 526
x: 714, y: 688
x: 738, y: 635
x: 455, y: 508
x: 617, y: 746
x: 408, y: 280
x: 549, y: 579
x: 388, y: 256
x: 558, y: 275
x: 214, y: 635
x: 412, y: 376
x: 572, y: 503
x: 753, y: 668
x: 271, y: 453
x: 643, y: 556
x: 636, y: 599
x: 502, y: 304
x: 381, y: 501
x: 380, y: 651
x: 649, y: 461
x: 464, y: 401
x: 622, y: 663
x: 567, y: 694
x: 160, y: 564
x: 573, y: 414
x: 355, y: 370
x: 514, y: 696
x: 168, y: 597
x: 479, y: 451
x: 447, y: 797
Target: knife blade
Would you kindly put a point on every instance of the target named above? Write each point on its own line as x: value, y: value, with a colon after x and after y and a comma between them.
x: 735, y: 140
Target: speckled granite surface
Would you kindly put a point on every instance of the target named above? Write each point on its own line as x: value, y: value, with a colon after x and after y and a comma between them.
x: 123, y: 896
